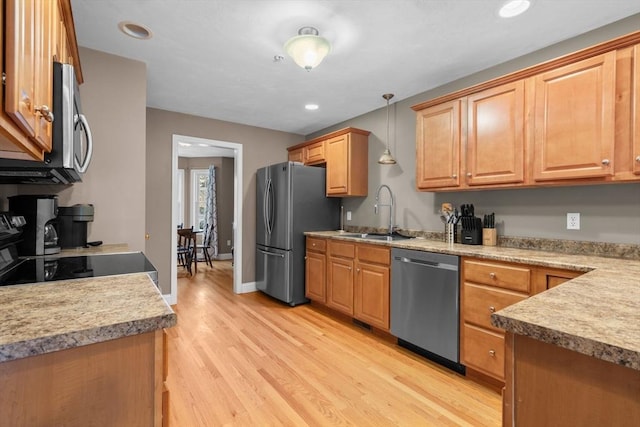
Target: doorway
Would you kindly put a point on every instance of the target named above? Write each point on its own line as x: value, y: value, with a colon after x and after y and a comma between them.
x: 208, y: 148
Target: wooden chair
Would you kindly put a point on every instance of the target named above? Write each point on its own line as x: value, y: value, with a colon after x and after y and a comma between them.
x: 206, y: 243
x: 186, y: 247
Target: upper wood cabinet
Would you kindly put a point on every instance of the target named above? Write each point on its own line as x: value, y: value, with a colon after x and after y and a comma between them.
x: 574, y: 120
x: 496, y: 135
x: 345, y: 154
x: 438, y: 133
x: 35, y: 32
x: 569, y: 121
x: 635, y: 152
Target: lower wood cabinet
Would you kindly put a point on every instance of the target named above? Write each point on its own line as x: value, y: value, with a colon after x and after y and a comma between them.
x: 315, y: 269
x: 357, y: 279
x: 119, y: 382
x: 487, y: 287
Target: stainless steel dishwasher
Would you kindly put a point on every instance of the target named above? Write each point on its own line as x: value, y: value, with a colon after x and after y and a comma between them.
x: 425, y: 304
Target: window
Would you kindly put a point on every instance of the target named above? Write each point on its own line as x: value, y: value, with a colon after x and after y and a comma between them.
x: 199, y: 184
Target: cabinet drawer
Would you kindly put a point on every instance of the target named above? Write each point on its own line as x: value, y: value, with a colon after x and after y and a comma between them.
x: 314, y: 153
x: 496, y: 274
x: 484, y: 351
x: 480, y: 302
x: 342, y: 249
x: 317, y: 245
x: 375, y: 254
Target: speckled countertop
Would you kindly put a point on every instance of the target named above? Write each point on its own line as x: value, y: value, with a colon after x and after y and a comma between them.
x: 47, y: 317
x: 597, y: 313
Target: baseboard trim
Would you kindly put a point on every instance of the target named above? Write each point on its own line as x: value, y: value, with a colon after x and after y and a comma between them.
x: 222, y: 257
x: 248, y: 287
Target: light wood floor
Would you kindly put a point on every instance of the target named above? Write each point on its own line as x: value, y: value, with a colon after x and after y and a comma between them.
x: 247, y: 360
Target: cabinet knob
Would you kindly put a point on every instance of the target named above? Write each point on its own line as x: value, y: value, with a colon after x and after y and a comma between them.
x: 492, y: 275
x: 605, y: 162
x: 454, y: 176
x: 358, y: 270
x: 492, y: 353
x: 469, y: 174
x: 492, y: 309
x: 349, y: 268
x: 638, y: 159
x: 313, y: 244
x: 45, y: 113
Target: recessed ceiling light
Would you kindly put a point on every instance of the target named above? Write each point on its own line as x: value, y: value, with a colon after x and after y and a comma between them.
x: 134, y: 30
x: 311, y: 107
x: 514, y: 8
x: 203, y: 145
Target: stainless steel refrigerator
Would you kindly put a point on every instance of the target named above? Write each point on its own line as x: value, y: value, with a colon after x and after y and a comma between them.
x: 290, y: 199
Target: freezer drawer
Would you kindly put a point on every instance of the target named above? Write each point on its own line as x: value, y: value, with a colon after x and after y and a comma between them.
x: 273, y: 275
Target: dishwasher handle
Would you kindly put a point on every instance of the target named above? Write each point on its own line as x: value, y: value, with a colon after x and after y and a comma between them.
x: 427, y: 263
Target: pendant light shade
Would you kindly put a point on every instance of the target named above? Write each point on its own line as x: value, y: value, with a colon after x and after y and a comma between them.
x: 307, y: 49
x: 387, y: 158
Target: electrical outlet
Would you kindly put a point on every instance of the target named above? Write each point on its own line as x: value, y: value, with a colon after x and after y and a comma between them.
x: 348, y: 215
x: 573, y: 221
x: 228, y: 242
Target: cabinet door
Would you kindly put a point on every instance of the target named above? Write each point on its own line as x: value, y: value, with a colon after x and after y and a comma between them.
x: 575, y: 121
x: 43, y: 85
x: 340, y: 285
x: 297, y: 155
x: 371, y: 301
x: 495, y: 135
x: 314, y: 153
x: 636, y: 108
x: 438, y: 133
x: 29, y: 67
x: 315, y: 276
x: 338, y: 165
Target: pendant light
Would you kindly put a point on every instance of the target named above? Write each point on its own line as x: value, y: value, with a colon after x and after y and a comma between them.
x: 307, y: 49
x: 387, y: 158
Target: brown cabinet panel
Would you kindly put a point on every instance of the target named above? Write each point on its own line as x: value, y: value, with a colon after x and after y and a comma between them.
x: 340, y: 284
x: 480, y: 302
x: 496, y: 135
x: 314, y: 153
x: 296, y: 155
x: 547, y: 278
x: 508, y: 276
x: 315, y: 276
x: 574, y: 120
x: 342, y: 249
x: 438, y: 144
x: 636, y: 109
x: 373, y: 253
x: 484, y: 350
x: 372, y: 295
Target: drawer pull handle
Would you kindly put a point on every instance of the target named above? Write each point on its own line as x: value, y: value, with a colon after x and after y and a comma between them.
x: 492, y: 275
x: 492, y: 309
x: 492, y: 353
x: 605, y: 162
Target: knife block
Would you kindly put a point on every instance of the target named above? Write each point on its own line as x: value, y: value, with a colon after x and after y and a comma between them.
x: 472, y: 234
x: 489, y: 236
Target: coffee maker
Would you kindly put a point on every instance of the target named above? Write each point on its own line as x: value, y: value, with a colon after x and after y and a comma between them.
x: 39, y: 234
x: 72, y: 225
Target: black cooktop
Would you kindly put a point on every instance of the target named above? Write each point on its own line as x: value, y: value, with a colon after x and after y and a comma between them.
x: 42, y: 269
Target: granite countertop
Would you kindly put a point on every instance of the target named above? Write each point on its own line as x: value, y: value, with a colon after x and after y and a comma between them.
x: 111, y: 248
x: 597, y: 313
x: 46, y: 317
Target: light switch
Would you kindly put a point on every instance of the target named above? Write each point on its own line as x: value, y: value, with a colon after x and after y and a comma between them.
x: 348, y: 215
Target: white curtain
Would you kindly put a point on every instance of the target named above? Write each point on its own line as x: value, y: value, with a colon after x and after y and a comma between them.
x: 211, y: 214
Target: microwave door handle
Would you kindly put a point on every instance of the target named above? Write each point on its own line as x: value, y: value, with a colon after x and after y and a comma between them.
x: 87, y: 131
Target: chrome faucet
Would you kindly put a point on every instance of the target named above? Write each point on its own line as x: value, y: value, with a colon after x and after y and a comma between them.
x: 391, y: 206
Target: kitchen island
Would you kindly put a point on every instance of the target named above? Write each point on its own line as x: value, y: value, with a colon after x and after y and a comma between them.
x: 566, y: 342
x: 84, y: 352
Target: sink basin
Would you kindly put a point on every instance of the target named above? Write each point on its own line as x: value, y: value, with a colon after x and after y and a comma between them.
x: 379, y: 237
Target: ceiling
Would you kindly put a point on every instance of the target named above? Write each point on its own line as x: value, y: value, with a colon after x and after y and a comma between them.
x: 215, y: 58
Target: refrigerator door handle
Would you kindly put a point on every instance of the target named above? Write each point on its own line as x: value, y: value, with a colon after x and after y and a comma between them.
x: 271, y: 253
x: 271, y: 205
x: 265, y: 209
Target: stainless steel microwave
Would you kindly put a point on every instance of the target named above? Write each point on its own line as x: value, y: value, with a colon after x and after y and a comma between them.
x: 72, y: 144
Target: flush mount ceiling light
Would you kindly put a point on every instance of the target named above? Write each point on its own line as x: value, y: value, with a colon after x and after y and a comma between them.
x: 134, y: 30
x: 514, y: 8
x: 311, y: 107
x: 307, y: 49
x: 387, y: 158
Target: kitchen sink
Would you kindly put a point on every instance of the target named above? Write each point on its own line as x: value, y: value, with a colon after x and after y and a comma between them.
x: 380, y: 237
